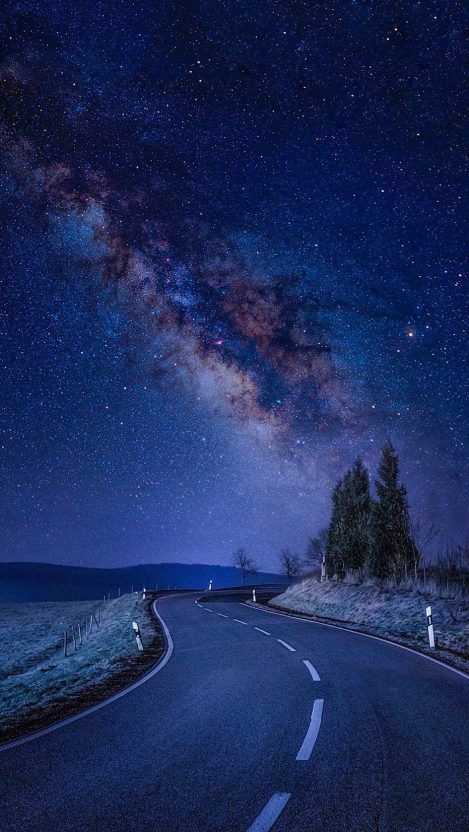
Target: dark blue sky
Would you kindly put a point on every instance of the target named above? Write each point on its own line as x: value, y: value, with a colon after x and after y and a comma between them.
x: 232, y: 259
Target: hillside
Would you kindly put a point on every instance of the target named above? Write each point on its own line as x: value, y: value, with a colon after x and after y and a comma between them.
x: 22, y: 582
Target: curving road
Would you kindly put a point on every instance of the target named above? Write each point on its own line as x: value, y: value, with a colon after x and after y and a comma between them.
x: 238, y: 733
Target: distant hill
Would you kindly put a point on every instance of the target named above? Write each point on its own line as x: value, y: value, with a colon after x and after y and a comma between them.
x: 21, y: 582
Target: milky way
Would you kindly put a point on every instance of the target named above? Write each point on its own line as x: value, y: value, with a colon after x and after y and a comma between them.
x: 232, y: 262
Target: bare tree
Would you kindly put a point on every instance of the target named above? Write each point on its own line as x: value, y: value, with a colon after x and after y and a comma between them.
x: 290, y: 563
x: 245, y: 562
x: 316, y: 549
x: 424, y: 535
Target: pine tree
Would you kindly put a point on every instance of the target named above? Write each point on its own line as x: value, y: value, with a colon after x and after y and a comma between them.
x: 357, y: 518
x: 334, y: 553
x: 392, y: 551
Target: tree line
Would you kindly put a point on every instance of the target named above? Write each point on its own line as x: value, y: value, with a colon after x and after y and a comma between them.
x: 366, y: 535
x: 371, y: 535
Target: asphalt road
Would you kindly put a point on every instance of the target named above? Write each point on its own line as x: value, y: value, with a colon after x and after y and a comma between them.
x: 236, y: 729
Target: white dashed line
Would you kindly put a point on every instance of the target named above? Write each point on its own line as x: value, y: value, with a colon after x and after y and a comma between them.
x: 241, y: 622
x: 312, y: 670
x: 270, y: 812
x: 262, y: 631
x: 222, y: 615
x: 313, y: 730
x: 288, y: 646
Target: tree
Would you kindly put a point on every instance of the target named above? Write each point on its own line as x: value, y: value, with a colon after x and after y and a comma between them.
x: 290, y: 563
x: 243, y: 561
x: 392, y: 549
x: 424, y: 534
x: 316, y: 548
x: 347, y: 540
x: 356, y: 510
x: 334, y: 551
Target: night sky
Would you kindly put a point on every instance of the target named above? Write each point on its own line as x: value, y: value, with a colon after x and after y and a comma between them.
x: 231, y: 261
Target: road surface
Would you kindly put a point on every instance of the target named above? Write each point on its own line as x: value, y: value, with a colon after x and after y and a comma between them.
x: 257, y: 721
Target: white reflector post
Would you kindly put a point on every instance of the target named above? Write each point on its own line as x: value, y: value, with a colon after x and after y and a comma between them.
x: 137, y: 635
x: 431, y: 635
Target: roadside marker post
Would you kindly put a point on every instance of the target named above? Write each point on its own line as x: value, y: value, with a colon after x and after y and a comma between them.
x: 431, y: 634
x: 323, y: 568
x: 210, y: 585
x: 65, y: 643
x: 137, y: 635
x: 254, y: 596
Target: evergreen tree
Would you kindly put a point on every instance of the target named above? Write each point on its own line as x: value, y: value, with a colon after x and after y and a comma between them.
x: 334, y: 553
x: 357, y: 508
x: 348, y: 534
x: 392, y: 552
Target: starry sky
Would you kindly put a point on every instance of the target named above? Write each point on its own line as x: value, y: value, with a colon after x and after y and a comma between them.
x: 231, y: 260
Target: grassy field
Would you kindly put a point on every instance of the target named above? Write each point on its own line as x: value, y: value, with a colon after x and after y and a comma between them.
x: 398, y: 614
x: 40, y: 685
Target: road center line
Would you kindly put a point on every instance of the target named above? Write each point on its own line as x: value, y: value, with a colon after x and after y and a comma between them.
x: 313, y: 730
x: 222, y: 615
x: 259, y: 630
x: 270, y: 812
x: 241, y: 622
x: 312, y: 670
x: 288, y: 646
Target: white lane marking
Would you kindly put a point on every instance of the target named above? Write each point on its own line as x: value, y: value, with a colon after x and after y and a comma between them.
x: 206, y: 608
x: 163, y: 661
x: 259, y: 630
x: 270, y: 812
x: 222, y: 615
x: 241, y: 622
x: 358, y: 633
x: 285, y: 644
x: 313, y: 730
x: 312, y: 670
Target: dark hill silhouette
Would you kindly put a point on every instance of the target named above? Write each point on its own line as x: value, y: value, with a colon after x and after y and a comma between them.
x: 23, y: 581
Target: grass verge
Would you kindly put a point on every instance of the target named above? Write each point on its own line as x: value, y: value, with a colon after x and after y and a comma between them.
x: 40, y: 686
